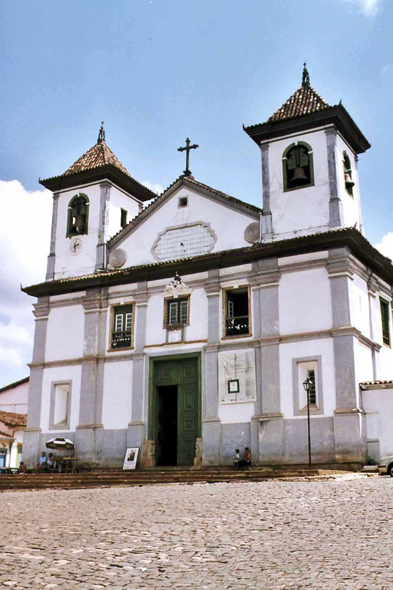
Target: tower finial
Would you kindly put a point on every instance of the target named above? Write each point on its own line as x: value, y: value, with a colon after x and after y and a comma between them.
x: 101, y: 133
x: 306, y: 76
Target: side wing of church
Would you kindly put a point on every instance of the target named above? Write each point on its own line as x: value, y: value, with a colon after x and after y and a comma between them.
x: 188, y: 327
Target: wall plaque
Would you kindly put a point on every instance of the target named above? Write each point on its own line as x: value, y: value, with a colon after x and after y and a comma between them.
x: 236, y: 374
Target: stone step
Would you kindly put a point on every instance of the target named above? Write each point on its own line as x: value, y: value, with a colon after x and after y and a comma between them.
x: 137, y: 478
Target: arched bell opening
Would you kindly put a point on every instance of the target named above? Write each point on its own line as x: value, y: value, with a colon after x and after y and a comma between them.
x: 298, y: 171
x: 349, y: 184
x: 78, y: 215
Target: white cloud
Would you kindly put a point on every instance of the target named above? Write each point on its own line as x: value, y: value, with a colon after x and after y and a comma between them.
x: 25, y: 225
x: 386, y: 245
x: 12, y: 333
x: 12, y: 357
x: 386, y: 71
x: 154, y: 186
x: 24, y: 232
x: 369, y: 8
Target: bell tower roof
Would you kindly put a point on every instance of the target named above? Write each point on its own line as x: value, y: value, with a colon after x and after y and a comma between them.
x: 306, y: 109
x: 302, y: 102
x: 99, y: 163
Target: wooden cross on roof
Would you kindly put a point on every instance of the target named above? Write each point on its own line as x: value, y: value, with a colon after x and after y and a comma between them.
x: 187, y: 148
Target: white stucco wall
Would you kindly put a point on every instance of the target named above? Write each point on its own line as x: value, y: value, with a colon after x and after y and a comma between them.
x: 116, y: 409
x: 84, y: 262
x: 386, y: 352
x: 54, y: 374
x: 197, y: 328
x: 227, y: 223
x: 65, y: 333
x: 350, y: 204
x: 365, y: 363
x: 378, y: 404
x: 305, y: 301
x: 15, y: 399
x: 360, y: 313
x: 310, y: 348
x: 304, y: 208
x: 385, y: 362
x: 236, y: 413
x: 119, y: 200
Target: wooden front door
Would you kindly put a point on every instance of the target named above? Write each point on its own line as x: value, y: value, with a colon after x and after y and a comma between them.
x: 176, y: 382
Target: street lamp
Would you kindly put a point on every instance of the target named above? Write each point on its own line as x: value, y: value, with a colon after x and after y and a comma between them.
x: 307, y: 385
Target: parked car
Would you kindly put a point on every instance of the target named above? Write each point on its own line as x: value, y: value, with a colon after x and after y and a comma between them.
x: 386, y: 466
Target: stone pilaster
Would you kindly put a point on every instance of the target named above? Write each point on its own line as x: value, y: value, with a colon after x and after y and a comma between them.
x: 101, y: 247
x: 349, y: 420
x: 266, y: 217
x: 267, y: 425
x: 211, y: 424
x: 335, y: 205
x: 136, y: 427
x: 373, y: 302
x: 89, y: 434
x: 50, y: 270
x: 31, y: 436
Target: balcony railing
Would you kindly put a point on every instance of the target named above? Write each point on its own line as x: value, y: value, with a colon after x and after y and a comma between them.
x: 237, y: 326
x: 121, y: 339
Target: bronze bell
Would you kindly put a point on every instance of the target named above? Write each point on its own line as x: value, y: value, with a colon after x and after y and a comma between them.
x: 299, y: 174
x: 348, y: 180
x: 80, y: 224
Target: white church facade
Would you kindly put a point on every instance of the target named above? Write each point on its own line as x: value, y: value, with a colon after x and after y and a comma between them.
x: 187, y: 328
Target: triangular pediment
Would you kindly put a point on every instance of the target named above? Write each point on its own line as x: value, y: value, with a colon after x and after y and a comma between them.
x: 187, y: 183
x: 189, y: 219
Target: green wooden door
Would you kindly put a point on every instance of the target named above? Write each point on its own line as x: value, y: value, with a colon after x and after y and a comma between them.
x: 183, y: 373
x: 187, y: 411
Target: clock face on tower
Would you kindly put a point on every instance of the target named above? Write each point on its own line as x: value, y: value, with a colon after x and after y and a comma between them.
x: 75, y: 246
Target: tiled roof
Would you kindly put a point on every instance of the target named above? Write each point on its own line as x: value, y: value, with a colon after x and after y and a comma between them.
x: 15, y: 384
x: 370, y: 384
x: 302, y: 102
x: 13, y: 419
x: 190, y: 180
x: 5, y: 435
x: 99, y: 155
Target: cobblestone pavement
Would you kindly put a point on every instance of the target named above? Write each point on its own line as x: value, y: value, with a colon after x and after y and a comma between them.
x: 274, y: 534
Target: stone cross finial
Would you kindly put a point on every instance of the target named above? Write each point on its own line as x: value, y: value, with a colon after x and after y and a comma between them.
x: 187, y: 171
x: 101, y: 133
x: 306, y: 76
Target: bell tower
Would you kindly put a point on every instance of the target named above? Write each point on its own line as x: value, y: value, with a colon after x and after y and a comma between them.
x: 92, y: 201
x: 309, y: 154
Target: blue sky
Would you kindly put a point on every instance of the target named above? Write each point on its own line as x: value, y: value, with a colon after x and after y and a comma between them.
x: 159, y: 71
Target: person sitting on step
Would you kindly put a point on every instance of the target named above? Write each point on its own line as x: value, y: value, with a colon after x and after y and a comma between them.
x: 236, y: 458
x: 245, y: 461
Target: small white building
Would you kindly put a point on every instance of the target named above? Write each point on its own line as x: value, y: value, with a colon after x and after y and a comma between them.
x: 13, y: 397
x: 188, y: 328
x: 12, y: 426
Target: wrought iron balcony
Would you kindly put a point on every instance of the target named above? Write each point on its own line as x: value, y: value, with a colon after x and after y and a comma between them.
x: 121, y: 339
x: 237, y: 326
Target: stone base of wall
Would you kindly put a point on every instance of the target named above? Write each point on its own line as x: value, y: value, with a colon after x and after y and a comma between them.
x: 274, y: 442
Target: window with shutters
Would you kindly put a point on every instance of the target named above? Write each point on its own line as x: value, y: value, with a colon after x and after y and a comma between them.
x: 298, y: 169
x: 385, y: 319
x: 176, y: 312
x: 122, y: 326
x: 237, y: 312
